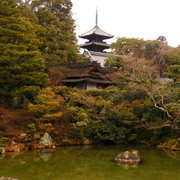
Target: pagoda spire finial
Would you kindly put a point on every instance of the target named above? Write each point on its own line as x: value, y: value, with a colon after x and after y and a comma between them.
x: 96, y: 16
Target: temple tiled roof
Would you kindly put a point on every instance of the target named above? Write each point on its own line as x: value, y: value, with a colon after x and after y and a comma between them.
x: 96, y: 30
x: 84, y: 70
x: 82, y: 64
x: 91, y: 71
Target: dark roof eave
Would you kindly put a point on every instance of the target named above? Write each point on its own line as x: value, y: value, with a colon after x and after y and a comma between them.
x: 94, y: 43
x: 88, y: 80
x: 90, y: 35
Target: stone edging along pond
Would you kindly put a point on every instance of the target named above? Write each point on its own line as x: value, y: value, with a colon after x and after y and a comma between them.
x: 45, y: 141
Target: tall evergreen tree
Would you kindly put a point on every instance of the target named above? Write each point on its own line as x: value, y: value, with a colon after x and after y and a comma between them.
x: 21, y: 66
x: 61, y: 43
x: 26, y: 11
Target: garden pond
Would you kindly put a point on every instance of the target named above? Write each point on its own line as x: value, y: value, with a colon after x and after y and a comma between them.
x: 91, y: 163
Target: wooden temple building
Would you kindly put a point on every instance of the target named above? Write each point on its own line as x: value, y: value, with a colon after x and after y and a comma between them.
x: 88, y: 75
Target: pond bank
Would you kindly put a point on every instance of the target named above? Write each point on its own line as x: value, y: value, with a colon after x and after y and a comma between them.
x: 33, y: 141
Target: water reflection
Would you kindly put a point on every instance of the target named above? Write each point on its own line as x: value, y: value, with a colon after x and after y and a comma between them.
x: 173, y: 154
x: 127, y: 166
x: 91, y: 162
x: 45, y: 156
x: 2, y: 156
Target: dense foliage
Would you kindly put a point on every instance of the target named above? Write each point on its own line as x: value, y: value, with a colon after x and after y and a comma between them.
x: 34, y: 36
x: 46, y: 110
x: 139, y: 100
x: 163, y: 58
x: 38, y: 36
x: 60, y: 43
x: 21, y: 66
x: 104, y: 116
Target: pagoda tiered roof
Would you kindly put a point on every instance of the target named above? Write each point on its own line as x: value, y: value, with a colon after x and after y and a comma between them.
x: 95, y: 46
x: 96, y: 31
x: 96, y: 37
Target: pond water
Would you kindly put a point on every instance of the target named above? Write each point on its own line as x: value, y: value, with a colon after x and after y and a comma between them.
x: 91, y: 163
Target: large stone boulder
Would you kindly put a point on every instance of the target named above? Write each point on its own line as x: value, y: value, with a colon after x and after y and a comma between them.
x: 20, y: 102
x: 46, y: 140
x: 87, y: 142
x: 2, y: 150
x: 128, y: 158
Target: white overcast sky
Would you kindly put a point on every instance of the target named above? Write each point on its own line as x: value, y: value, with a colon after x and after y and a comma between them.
x: 147, y: 19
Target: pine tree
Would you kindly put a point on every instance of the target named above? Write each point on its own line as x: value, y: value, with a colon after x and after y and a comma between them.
x: 21, y: 65
x: 61, y: 43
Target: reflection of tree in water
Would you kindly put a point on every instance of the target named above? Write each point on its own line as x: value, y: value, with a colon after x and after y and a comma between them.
x: 89, y: 162
x: 2, y: 156
x: 173, y: 154
x: 96, y: 162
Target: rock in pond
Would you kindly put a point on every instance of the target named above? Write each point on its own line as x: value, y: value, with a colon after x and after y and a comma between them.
x: 128, y: 157
x: 46, y: 140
